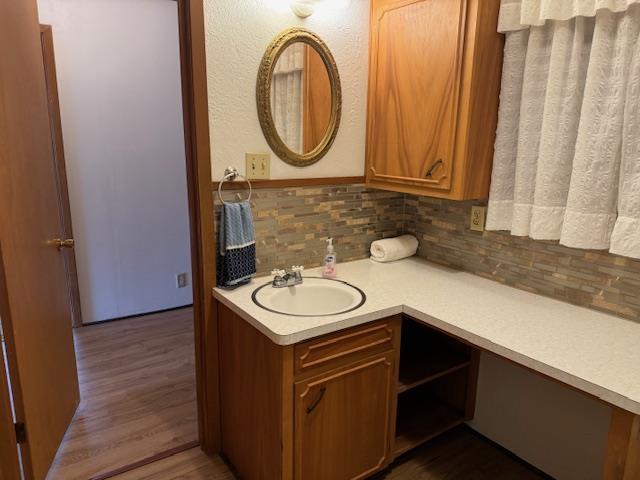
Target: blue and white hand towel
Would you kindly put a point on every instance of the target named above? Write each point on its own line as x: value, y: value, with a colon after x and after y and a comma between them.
x: 237, y: 242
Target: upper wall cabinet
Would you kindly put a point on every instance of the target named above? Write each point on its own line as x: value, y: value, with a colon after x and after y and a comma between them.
x: 434, y: 81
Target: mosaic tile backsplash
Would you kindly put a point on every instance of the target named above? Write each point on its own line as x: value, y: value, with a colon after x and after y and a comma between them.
x: 594, y: 279
x: 292, y: 225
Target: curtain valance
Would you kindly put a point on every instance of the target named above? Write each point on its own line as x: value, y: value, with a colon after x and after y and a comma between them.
x: 520, y: 14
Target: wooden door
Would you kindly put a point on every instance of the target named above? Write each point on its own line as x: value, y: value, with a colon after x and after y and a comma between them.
x: 34, y: 301
x: 55, y: 121
x: 415, y: 69
x: 9, y: 463
x: 317, y: 100
x: 342, y: 421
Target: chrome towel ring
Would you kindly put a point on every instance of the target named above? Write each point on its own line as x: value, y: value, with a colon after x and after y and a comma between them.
x: 231, y: 174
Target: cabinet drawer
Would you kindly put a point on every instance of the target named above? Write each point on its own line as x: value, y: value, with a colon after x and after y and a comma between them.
x: 347, y: 345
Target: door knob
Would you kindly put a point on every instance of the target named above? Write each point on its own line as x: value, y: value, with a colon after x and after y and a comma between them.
x: 60, y: 243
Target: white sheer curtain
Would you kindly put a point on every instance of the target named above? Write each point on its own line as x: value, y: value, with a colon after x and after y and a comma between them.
x: 286, y: 95
x: 567, y: 158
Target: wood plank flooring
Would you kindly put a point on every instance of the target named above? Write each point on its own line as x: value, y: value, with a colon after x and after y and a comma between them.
x: 457, y: 455
x: 460, y: 455
x: 190, y: 465
x: 138, y: 398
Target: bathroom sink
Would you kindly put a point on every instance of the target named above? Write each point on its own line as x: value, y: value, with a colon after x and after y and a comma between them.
x: 315, y: 297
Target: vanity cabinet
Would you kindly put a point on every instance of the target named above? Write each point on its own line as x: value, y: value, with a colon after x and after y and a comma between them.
x: 434, y: 81
x: 341, y: 406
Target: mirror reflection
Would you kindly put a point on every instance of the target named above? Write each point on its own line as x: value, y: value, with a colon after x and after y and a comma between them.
x: 301, y: 98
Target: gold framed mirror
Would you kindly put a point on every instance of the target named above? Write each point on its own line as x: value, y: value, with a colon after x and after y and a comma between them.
x: 299, y: 97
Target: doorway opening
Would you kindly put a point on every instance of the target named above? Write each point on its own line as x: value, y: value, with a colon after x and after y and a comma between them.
x: 114, y: 85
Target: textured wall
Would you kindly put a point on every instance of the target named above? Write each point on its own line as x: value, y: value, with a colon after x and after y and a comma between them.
x: 237, y: 36
x: 595, y: 279
x: 292, y: 224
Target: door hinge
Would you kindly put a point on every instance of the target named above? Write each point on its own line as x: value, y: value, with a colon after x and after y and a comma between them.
x: 21, y: 432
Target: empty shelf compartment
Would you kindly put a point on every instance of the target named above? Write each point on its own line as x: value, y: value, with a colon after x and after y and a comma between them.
x: 427, y: 354
x: 429, y: 410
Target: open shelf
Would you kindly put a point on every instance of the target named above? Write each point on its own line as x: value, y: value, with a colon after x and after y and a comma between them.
x: 426, y: 355
x: 427, y: 367
x: 422, y: 421
x: 435, y: 387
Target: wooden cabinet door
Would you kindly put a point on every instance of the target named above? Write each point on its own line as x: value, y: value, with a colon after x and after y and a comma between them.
x: 415, y: 68
x: 343, y: 421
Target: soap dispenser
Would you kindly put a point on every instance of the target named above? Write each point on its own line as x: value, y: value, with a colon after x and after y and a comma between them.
x: 329, y: 268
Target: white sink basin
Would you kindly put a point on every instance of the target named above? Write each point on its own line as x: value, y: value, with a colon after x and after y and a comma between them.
x: 314, y: 297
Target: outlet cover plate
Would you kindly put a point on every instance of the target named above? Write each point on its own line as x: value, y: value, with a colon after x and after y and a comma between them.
x: 258, y: 166
x: 182, y: 280
x: 478, y: 215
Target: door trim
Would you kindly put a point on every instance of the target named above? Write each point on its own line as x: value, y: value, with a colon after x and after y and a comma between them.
x: 201, y: 217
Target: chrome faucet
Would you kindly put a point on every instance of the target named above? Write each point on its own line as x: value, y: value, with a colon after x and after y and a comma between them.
x: 283, y: 278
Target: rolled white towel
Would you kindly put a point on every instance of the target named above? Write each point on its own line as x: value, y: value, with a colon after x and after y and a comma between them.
x: 390, y: 249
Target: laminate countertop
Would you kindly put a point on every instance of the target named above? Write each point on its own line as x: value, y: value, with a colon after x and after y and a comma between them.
x: 594, y: 352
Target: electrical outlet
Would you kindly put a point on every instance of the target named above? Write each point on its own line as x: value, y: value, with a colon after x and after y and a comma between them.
x: 182, y: 280
x: 258, y: 166
x: 478, y: 215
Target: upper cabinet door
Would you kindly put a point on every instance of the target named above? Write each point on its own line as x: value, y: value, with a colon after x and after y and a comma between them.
x: 434, y: 82
x: 415, y: 70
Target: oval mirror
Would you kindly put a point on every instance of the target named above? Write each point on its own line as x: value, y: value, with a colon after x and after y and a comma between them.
x: 299, y: 97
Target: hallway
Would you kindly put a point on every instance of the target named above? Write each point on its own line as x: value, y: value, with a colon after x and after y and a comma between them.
x: 138, y: 394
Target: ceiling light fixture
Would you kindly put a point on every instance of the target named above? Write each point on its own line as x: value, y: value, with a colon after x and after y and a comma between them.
x: 303, y: 8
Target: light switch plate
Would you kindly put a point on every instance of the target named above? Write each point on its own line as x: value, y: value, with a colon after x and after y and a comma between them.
x: 478, y: 215
x: 258, y: 166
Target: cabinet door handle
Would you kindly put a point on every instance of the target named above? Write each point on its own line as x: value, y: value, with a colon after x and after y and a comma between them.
x: 317, y: 401
x: 433, y: 167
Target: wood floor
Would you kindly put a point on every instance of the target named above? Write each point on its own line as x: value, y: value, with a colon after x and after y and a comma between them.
x: 460, y: 455
x: 457, y: 455
x: 137, y: 385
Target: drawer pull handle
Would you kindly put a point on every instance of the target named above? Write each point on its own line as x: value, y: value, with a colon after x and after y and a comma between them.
x: 317, y: 401
x: 433, y: 167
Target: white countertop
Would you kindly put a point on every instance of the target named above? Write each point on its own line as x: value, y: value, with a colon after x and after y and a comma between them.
x: 591, y: 351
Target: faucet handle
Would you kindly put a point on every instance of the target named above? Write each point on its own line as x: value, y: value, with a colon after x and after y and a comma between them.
x: 276, y: 272
x: 297, y: 268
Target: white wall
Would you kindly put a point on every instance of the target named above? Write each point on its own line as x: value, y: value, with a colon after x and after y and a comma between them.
x: 120, y: 100
x: 559, y: 430
x: 238, y: 33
